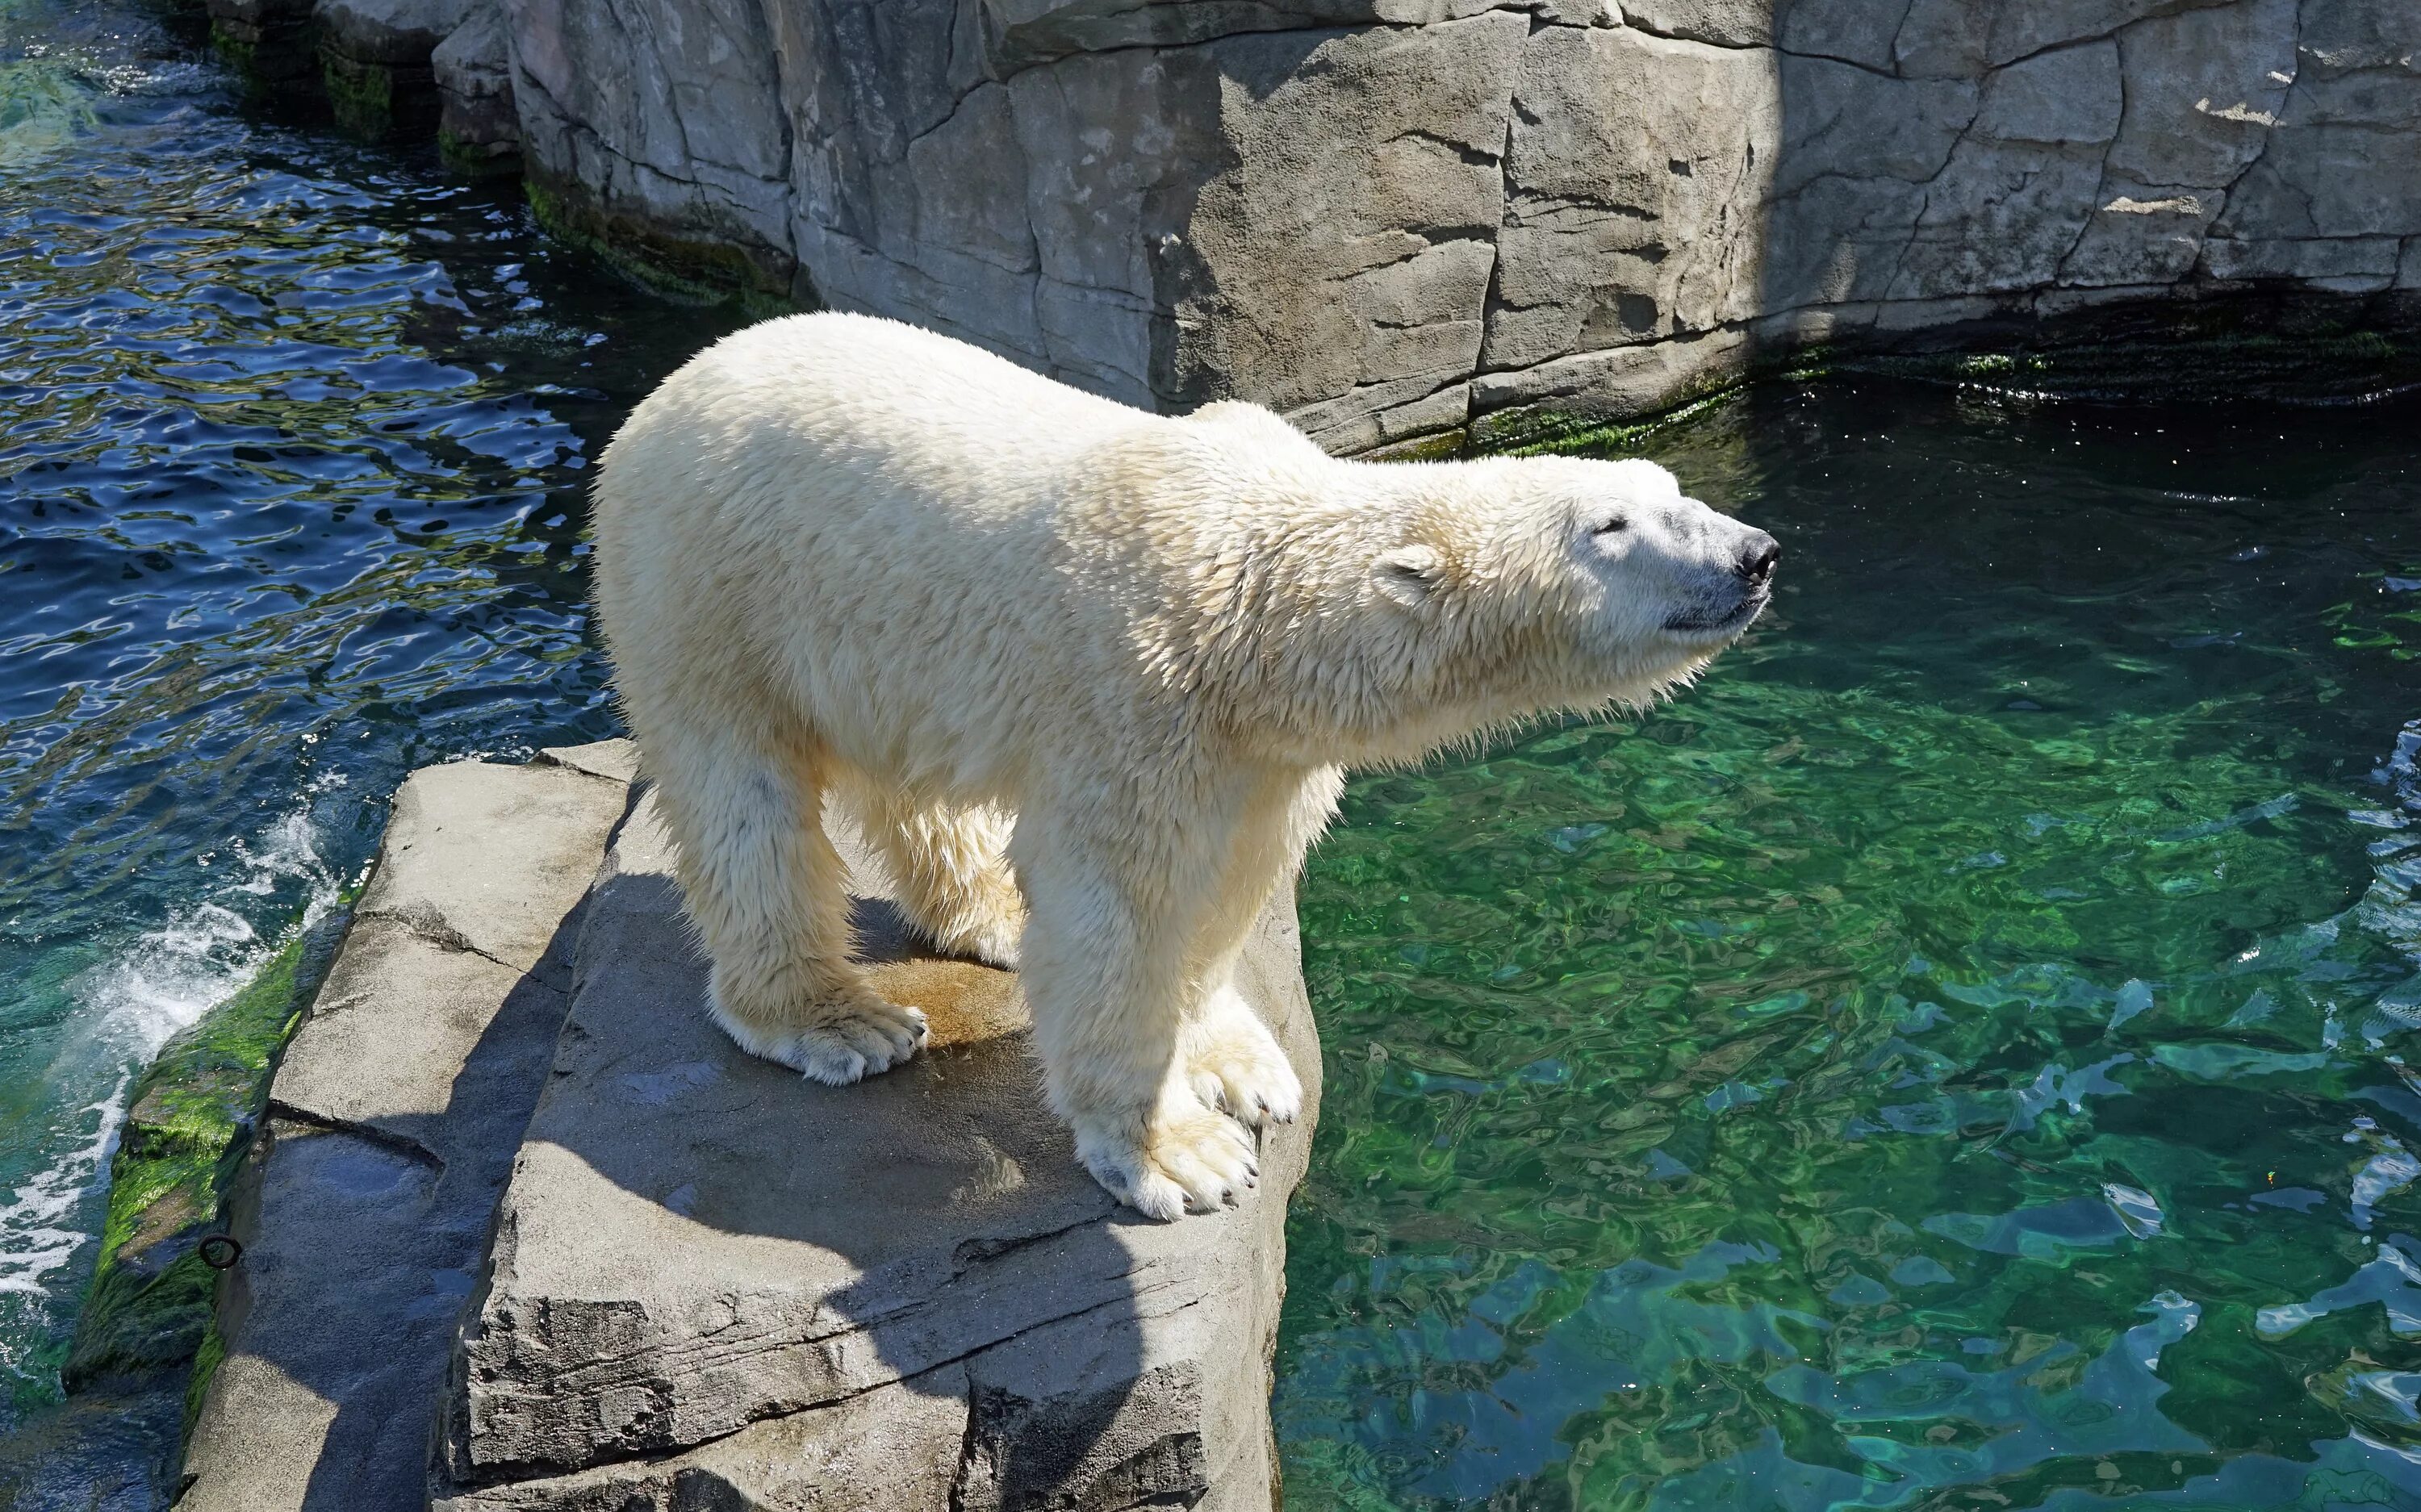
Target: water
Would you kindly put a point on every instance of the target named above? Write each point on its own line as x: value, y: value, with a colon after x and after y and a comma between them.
x: 1957, y: 1055
x: 291, y: 449
x: 1951, y: 1058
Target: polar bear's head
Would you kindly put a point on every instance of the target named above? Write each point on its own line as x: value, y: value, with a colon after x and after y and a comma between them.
x: 1545, y: 582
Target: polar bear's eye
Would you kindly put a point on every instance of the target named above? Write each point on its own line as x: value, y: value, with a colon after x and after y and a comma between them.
x: 1614, y: 527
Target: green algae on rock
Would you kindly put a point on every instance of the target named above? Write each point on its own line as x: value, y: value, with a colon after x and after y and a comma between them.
x: 698, y: 270
x: 150, y: 1306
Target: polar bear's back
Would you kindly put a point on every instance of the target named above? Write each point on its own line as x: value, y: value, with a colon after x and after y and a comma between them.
x: 855, y: 391
x: 859, y: 521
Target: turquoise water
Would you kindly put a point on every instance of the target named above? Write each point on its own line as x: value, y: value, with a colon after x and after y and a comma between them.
x: 1950, y: 1058
x: 1953, y: 1057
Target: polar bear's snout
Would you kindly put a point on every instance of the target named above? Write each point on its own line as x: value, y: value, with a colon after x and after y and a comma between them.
x: 1738, y: 591
x: 1693, y: 573
x: 1757, y: 558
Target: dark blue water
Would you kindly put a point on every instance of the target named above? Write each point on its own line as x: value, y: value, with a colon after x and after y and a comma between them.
x: 292, y: 439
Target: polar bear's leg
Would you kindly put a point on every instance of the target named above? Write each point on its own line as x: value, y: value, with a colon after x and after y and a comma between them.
x: 1104, y: 967
x: 768, y: 895
x: 951, y: 868
x: 1230, y: 1056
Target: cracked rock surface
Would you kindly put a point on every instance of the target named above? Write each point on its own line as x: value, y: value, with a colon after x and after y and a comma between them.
x: 1398, y: 218
x: 390, y: 1132
x: 715, y: 1282
x: 525, y: 1231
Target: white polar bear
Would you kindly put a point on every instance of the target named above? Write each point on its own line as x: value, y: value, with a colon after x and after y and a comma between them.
x: 1088, y: 675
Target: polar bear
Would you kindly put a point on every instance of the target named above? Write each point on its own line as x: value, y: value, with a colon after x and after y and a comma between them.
x: 1088, y: 677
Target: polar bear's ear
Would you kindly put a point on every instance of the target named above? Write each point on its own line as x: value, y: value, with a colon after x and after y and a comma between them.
x: 1409, y: 574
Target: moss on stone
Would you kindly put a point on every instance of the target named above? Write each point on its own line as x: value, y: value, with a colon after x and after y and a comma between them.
x: 237, y: 53
x: 149, y: 1304
x: 1439, y: 447
x: 361, y: 96
x: 207, y: 1355
x: 475, y: 161
x: 1548, y: 432
x: 274, y: 63
x: 692, y: 270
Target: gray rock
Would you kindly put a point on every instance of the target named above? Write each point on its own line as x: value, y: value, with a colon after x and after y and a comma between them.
x: 613, y: 760
x: 1374, y: 215
x: 392, y: 1124
x: 2336, y: 173
x: 1339, y: 285
x: 1943, y: 40
x: 2069, y: 97
x: 268, y: 41
x: 1846, y: 31
x: 655, y: 122
x: 874, y: 1452
x: 375, y: 61
x: 1624, y: 227
x: 398, y: 33
x: 2143, y: 234
x: 2353, y: 265
x: 702, y: 1259
x: 2203, y: 88
x: 476, y: 125
x: 1741, y: 24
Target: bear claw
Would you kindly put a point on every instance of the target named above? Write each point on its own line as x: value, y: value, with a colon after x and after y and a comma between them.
x: 1234, y: 1064
x: 1186, y: 1158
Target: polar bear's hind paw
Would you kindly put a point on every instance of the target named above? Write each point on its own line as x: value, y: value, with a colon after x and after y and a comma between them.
x: 863, y: 1040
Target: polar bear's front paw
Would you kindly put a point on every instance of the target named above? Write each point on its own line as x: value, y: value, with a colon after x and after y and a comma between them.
x: 1186, y: 1155
x: 1235, y: 1063
x: 865, y: 1039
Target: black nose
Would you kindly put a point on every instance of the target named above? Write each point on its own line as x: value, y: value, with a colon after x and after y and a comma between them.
x: 1758, y: 557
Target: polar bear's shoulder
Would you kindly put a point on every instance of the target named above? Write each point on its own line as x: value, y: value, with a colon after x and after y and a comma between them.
x: 1257, y: 424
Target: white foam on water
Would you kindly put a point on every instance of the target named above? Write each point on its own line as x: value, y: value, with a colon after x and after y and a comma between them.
x: 125, y: 1010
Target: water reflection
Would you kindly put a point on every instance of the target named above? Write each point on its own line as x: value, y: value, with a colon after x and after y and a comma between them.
x: 1952, y: 1058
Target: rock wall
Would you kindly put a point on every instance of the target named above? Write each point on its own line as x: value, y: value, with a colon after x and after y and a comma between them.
x: 385, y: 70
x: 1393, y: 219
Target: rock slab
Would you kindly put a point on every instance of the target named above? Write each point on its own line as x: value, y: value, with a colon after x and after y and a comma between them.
x: 391, y: 1127
x: 716, y: 1284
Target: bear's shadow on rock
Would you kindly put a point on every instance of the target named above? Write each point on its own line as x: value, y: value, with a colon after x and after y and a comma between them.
x: 696, y: 1241
x: 376, y: 1245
